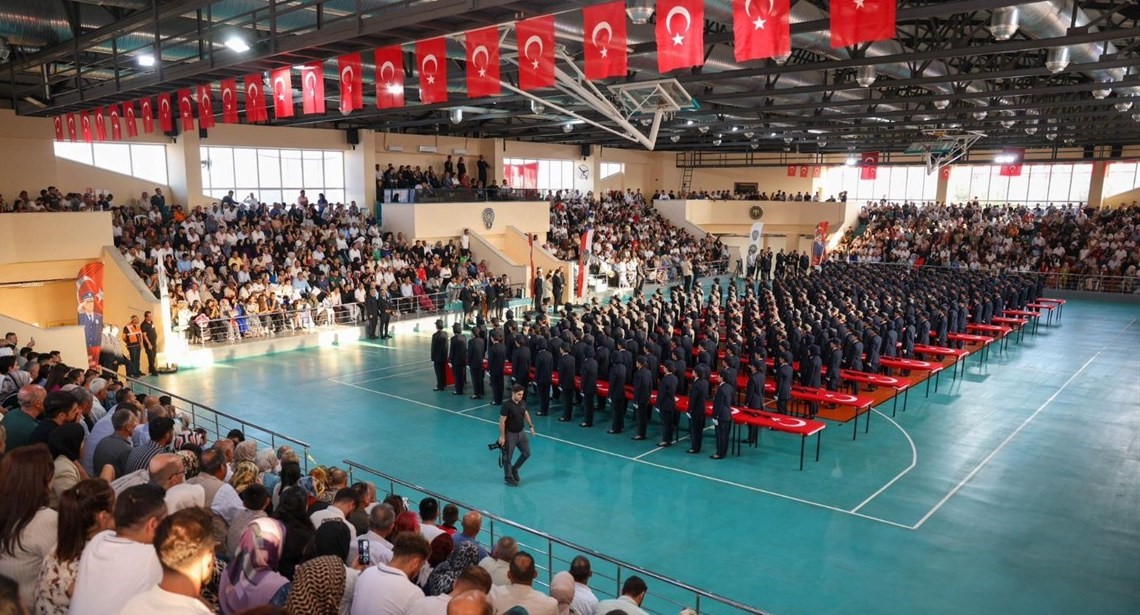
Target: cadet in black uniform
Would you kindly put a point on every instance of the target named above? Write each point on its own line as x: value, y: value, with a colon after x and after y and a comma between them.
x: 496, y: 362
x: 698, y: 399
x: 476, y: 350
x: 642, y: 391
x: 722, y: 415
x: 458, y: 357
x: 439, y: 355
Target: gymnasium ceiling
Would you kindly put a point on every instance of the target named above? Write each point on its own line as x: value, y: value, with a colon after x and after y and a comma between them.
x: 944, y: 71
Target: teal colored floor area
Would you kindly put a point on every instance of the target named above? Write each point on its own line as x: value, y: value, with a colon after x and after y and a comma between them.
x: 1014, y: 489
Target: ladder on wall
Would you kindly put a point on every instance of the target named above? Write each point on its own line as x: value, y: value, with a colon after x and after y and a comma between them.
x: 686, y: 179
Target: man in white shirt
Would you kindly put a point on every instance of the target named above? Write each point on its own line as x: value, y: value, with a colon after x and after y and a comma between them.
x: 474, y: 579
x: 119, y: 564
x: 345, y: 501
x: 381, y: 524
x: 185, y: 545
x: 387, y: 589
x: 499, y: 563
x: 520, y: 592
x: 429, y: 512
x: 632, y: 594
x: 584, y: 602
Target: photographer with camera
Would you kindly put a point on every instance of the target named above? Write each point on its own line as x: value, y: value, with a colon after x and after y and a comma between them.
x: 512, y: 418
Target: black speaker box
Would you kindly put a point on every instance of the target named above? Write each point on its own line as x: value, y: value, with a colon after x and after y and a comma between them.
x: 353, y: 135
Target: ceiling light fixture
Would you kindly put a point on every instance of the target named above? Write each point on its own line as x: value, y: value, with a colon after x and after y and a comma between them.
x: 675, y: 138
x: 689, y: 122
x: 851, y: 161
x: 979, y: 115
x: 749, y: 134
x: 1030, y: 130
x: 1100, y: 93
x: 1051, y: 135
x: 537, y: 107
x: 1007, y: 123
x: 1136, y: 116
x: 1057, y: 60
x: 639, y: 11
x: 717, y: 141
x: 237, y: 44
x: 1005, y: 159
x: 866, y: 76
x: 567, y: 128
x: 5, y: 48
x: 145, y: 59
x: 1123, y: 105
x: 941, y: 104
x: 754, y: 145
x: 456, y: 115
x: 1005, y: 22
x: 703, y: 129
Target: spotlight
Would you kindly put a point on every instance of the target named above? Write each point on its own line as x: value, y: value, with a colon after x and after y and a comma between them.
x: 735, y: 128
x: 688, y: 122
x: 567, y: 128
x: 703, y: 129
x: 1030, y: 130
x: 866, y: 76
x: 537, y: 107
x: 639, y: 11
x: 749, y: 134
x: 1050, y: 135
x: 237, y: 44
x: 145, y: 59
x: 851, y: 161
x: 754, y: 145
x: 1005, y: 22
x: 456, y: 115
x: 1123, y: 105
x: 1100, y: 93
x: 646, y: 121
x: 1057, y: 60
x: 1070, y: 141
x: 941, y: 104
x: 822, y: 143
x: 789, y: 140
x: 675, y: 138
x: 1005, y: 159
x: 717, y: 141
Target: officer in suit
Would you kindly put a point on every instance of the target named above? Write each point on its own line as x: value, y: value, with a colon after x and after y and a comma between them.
x: 458, y: 357
x: 384, y: 309
x: 783, y: 383
x: 371, y: 313
x: 642, y: 392
x: 537, y: 288
x: 722, y: 415
x: 543, y: 375
x: 439, y: 355
x: 617, y: 396
x: 589, y: 385
x: 566, y: 373
x: 667, y: 403
x: 496, y: 363
x: 520, y: 362
x: 698, y: 399
x: 834, y: 365
x: 476, y: 351
x: 754, y: 392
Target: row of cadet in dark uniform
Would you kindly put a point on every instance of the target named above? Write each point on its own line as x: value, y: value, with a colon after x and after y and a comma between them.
x: 842, y: 316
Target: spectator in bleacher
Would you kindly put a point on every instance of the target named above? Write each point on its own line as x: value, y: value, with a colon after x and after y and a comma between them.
x: 161, y: 432
x: 388, y: 589
x: 344, y: 502
x: 185, y: 547
x: 84, y: 510
x: 252, y: 579
x: 470, y: 579
x: 584, y: 602
x: 472, y: 525
x: 521, y: 592
x: 499, y: 562
x: 59, y: 408
x: 381, y: 529
x: 632, y: 595
x: 299, y: 530
x: 21, y: 422
x: 27, y: 526
x: 442, y: 578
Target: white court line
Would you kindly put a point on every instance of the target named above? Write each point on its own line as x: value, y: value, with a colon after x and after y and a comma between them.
x: 997, y: 450
x: 475, y: 408
x: 659, y: 448
x: 380, y: 369
x: 385, y: 377
x: 648, y: 463
x: 913, y: 463
x: 1130, y: 323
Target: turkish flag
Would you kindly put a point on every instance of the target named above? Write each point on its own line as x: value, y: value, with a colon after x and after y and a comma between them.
x: 72, y: 134
x: 944, y: 172
x: 791, y: 170
x: 870, y: 166
x: 255, y: 110
x: 804, y: 171
x: 116, y: 129
x: 860, y: 21
x: 282, y: 81
x: 816, y: 171
x: 206, y: 106
x: 1012, y: 169
x: 535, y: 39
x: 390, y: 77
x: 186, y: 109
x: 229, y: 101
x: 146, y: 110
x: 165, y: 113
x: 680, y: 34
x: 431, y: 58
x: 761, y: 29
x: 604, y: 27
x: 129, y: 119
x: 100, y: 121
x: 58, y: 121
x: 351, y: 82
x: 482, y: 62
x: 313, y: 88
x: 85, y: 126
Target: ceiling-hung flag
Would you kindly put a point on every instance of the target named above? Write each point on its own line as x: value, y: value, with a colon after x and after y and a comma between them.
x: 680, y: 34
x: 72, y: 132
x: 146, y: 109
x: 1012, y: 168
x: 113, y: 115
x: 282, y: 80
x: 390, y: 77
x: 431, y: 58
x: 605, y: 44
x: 58, y: 121
x: 483, y: 63
x: 206, y: 106
x: 229, y: 101
x: 85, y: 126
x: 255, y: 110
x: 761, y: 29
x: 351, y: 82
x: 870, y: 168
x: 186, y: 109
x: 129, y: 118
x: 100, y: 124
x: 535, y: 40
x: 861, y: 21
x: 313, y: 88
x: 165, y: 113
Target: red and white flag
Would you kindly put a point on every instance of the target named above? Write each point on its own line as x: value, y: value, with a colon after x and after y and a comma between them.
x: 129, y: 118
x: 146, y: 109
x: 605, y: 44
x: 100, y: 124
x: 791, y: 170
x: 255, y: 110
x: 282, y: 80
x: 1012, y: 168
x: 944, y: 172
x: 817, y: 171
x: 72, y: 132
x: 431, y: 58
x: 229, y: 101
x: 165, y: 113
x: 761, y: 29
x: 186, y: 109
x: 313, y: 88
x: 85, y: 127
x: 390, y: 77
x: 535, y: 40
x: 870, y: 166
x: 861, y: 21
x: 351, y: 82
x: 58, y: 121
x: 206, y: 106
x: 680, y: 34
x: 804, y: 171
x: 483, y: 62
x: 116, y: 129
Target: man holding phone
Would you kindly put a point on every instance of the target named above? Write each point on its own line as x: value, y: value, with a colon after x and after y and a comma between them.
x: 512, y: 418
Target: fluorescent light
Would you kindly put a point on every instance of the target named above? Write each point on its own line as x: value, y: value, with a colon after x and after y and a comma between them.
x: 851, y: 161
x: 395, y: 88
x: 1005, y: 159
x: 237, y: 44
x: 145, y: 59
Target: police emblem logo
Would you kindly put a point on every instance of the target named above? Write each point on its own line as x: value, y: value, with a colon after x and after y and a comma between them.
x: 756, y: 212
x: 488, y: 218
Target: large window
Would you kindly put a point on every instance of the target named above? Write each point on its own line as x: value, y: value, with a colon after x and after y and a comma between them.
x: 135, y: 159
x: 609, y: 169
x: 1038, y: 183
x: 1121, y: 177
x: 894, y: 183
x: 540, y: 174
x: 273, y: 175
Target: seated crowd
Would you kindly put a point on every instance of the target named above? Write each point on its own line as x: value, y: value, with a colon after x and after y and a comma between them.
x: 725, y: 195
x: 1057, y: 240
x: 111, y: 506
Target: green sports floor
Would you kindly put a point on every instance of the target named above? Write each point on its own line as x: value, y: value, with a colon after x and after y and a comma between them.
x: 1014, y: 489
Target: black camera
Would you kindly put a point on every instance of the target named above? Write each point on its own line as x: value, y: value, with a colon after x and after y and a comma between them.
x: 496, y: 445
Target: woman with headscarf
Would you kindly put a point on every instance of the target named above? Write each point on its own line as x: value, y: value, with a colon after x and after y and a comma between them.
x: 292, y: 510
x: 66, y: 445
x: 443, y: 577
x: 245, y: 474
x: 319, y: 588
x: 562, y: 590
x: 246, y: 450
x: 251, y: 579
x: 266, y: 461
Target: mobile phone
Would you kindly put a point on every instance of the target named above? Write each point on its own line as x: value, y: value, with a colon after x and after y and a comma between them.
x: 365, y: 555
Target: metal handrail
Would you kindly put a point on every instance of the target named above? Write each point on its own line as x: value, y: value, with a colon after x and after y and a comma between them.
x: 460, y: 195
x: 217, y: 423
x: 229, y: 328
x: 665, y: 600
x: 1054, y: 280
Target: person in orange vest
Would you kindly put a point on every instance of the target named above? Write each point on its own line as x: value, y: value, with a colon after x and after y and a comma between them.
x: 133, y: 338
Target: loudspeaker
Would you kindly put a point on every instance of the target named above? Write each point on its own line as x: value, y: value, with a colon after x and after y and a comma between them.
x: 353, y: 135
x: 203, y: 134
x: 584, y: 149
x: 1089, y: 152
x: 173, y: 132
x: 1117, y: 151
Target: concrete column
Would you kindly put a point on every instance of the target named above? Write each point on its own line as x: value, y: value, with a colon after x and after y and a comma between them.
x: 496, y: 160
x: 1096, y: 185
x: 360, y: 171
x: 184, y: 169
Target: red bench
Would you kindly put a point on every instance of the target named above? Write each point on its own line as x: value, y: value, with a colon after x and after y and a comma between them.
x: 898, y: 383
x: 942, y: 351
x: 747, y: 417
x: 915, y: 365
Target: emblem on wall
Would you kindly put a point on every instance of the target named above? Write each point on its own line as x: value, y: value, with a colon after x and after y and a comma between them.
x: 583, y: 172
x: 756, y: 212
x: 488, y: 218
